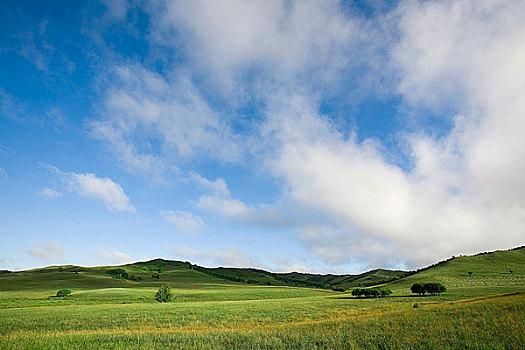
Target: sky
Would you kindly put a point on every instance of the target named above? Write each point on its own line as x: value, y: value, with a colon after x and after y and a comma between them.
x: 315, y: 136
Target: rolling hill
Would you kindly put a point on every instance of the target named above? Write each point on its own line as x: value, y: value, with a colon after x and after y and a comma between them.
x: 495, y: 269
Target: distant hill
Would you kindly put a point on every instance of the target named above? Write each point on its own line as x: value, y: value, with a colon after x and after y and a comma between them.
x: 492, y: 268
x: 182, y: 275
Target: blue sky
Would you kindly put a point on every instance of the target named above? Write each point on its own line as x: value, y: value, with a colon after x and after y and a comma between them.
x: 332, y: 136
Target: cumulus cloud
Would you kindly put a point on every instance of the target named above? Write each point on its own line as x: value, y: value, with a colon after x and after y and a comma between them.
x: 219, y: 200
x: 48, y: 251
x: 50, y: 193
x: 115, y: 257
x: 184, y: 221
x: 462, y: 190
x: 153, y: 123
x: 298, y: 43
x: 91, y: 186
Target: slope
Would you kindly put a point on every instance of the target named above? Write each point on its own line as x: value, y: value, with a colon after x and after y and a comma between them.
x: 493, y: 272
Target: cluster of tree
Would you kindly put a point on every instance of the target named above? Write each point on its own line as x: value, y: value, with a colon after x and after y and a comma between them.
x: 371, y: 292
x: 217, y: 274
x: 5, y: 271
x: 63, y: 293
x: 294, y: 282
x: 163, y: 295
x: 121, y: 273
x: 430, y: 288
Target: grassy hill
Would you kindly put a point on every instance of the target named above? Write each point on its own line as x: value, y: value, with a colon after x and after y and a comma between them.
x: 472, y: 275
x: 225, y: 308
x: 491, y: 270
x: 181, y: 274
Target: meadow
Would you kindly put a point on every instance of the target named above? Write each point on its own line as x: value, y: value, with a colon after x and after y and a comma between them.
x: 481, y: 310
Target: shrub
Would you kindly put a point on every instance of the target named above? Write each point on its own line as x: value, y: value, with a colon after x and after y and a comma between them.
x: 63, y: 293
x: 163, y: 295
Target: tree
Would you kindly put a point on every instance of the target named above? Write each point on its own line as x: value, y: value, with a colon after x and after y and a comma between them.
x: 385, y: 292
x: 117, y: 273
x: 434, y: 288
x: 417, y: 288
x: 163, y: 295
x: 373, y: 293
x: 63, y: 293
x: 357, y: 292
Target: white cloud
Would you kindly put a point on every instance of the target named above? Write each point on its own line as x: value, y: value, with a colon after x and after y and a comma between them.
x: 184, y: 221
x: 153, y: 123
x: 219, y: 200
x: 11, y: 107
x: 278, y: 39
x: 115, y: 257
x: 91, y: 186
x: 48, y: 251
x: 104, y: 189
x: 228, y: 257
x: 465, y: 191
x: 50, y: 193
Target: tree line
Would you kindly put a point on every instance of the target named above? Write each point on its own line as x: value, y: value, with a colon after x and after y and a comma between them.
x: 371, y: 292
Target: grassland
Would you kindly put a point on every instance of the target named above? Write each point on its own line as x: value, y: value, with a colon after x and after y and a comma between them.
x: 481, y: 310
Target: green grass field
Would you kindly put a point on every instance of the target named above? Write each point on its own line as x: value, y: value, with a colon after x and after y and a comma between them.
x: 483, y: 310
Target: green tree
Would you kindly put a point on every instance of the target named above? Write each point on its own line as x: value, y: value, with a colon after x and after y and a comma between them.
x: 434, y: 288
x: 357, y: 292
x: 163, y: 295
x: 63, y: 293
x: 385, y: 292
x: 417, y: 288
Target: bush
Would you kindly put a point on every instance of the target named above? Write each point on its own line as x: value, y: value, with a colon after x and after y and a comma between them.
x: 163, y: 295
x: 63, y: 293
